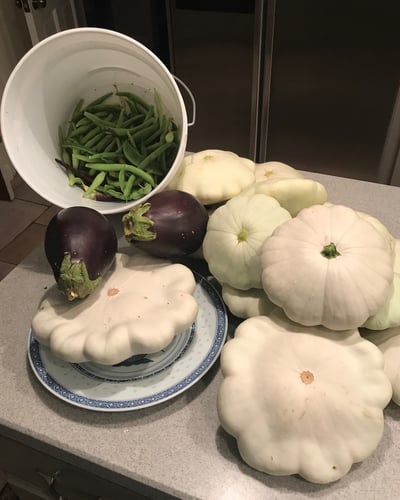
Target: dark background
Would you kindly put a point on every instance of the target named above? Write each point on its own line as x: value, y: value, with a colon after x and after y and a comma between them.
x: 334, y: 74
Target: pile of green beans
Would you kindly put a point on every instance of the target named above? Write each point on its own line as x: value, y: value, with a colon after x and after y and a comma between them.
x: 118, y: 147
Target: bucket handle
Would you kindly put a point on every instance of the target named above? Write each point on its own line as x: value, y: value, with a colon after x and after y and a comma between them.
x: 190, y: 124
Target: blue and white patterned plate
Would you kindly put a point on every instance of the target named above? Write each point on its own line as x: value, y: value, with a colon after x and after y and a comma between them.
x: 143, y: 380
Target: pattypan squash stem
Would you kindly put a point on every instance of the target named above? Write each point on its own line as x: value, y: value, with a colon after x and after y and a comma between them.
x: 330, y: 251
x: 242, y: 235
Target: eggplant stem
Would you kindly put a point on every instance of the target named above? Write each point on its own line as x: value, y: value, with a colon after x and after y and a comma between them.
x: 137, y: 227
x: 74, y: 280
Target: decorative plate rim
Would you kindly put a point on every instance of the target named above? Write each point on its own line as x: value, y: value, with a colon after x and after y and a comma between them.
x: 188, y: 380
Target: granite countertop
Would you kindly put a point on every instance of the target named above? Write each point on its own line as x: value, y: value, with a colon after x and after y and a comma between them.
x: 177, y: 447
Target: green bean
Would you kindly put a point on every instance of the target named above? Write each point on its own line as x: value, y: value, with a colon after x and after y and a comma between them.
x: 144, y: 124
x: 131, y: 140
x: 99, y: 100
x: 131, y: 154
x: 163, y: 132
x: 77, y: 110
x: 120, y: 118
x: 100, y: 108
x: 114, y: 183
x: 85, y: 121
x: 150, y: 113
x: 106, y: 125
x: 158, y: 103
x: 110, y: 147
x: 89, y: 158
x: 169, y: 137
x: 60, y: 137
x: 128, y: 186
x: 121, y: 178
x: 120, y: 151
x: 77, y: 146
x: 72, y: 179
x: 100, y: 122
x: 94, y: 140
x: 82, y: 121
x: 135, y: 195
x: 144, y: 133
x: 129, y: 168
x: 131, y: 107
x: 75, y: 159
x: 114, y: 193
x: 152, y: 156
x: 83, y: 129
x: 150, y: 140
x: 97, y: 181
x: 134, y: 98
x: 152, y: 147
x: 112, y: 155
x: 101, y: 145
x: 132, y: 120
x: 82, y: 174
x: 66, y: 157
x: 143, y: 150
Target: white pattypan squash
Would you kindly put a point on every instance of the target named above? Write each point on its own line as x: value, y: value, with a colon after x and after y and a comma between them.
x: 213, y: 175
x: 390, y: 240
x: 139, y: 307
x: 246, y: 303
x: 397, y: 256
x: 292, y: 194
x: 273, y: 170
x: 388, y: 341
x: 388, y: 315
x: 302, y: 400
x: 235, y: 233
x: 327, y: 266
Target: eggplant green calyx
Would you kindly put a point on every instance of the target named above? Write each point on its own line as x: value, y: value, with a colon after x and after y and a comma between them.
x: 74, y: 279
x: 138, y: 227
x: 330, y: 251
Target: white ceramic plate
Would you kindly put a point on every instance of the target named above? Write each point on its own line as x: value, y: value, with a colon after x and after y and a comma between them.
x: 143, y: 380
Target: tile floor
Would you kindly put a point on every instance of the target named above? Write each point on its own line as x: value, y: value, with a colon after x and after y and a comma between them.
x: 23, y: 223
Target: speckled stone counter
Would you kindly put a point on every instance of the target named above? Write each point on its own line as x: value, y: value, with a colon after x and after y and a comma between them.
x: 177, y: 448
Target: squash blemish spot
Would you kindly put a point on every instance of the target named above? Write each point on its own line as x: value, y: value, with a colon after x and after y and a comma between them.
x: 307, y: 377
x: 112, y: 291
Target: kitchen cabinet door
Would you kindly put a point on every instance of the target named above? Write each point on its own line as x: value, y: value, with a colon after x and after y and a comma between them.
x: 38, y: 476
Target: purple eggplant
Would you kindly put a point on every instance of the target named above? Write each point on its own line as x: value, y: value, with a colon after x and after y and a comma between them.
x: 170, y: 224
x: 80, y: 245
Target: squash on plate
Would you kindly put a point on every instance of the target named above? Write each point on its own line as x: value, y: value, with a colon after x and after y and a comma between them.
x: 140, y: 306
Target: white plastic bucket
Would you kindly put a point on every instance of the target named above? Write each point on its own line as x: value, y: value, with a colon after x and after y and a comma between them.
x: 45, y: 86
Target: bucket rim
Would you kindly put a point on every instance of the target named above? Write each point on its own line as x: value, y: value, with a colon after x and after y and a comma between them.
x: 6, y: 108
x: 88, y: 30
